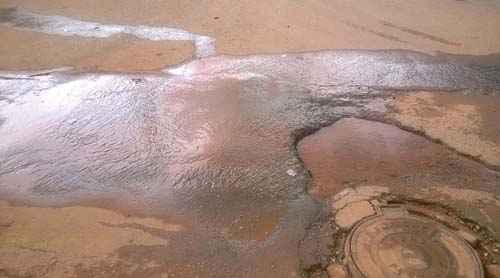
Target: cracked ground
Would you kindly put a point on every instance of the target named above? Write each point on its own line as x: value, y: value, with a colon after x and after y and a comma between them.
x: 134, y: 143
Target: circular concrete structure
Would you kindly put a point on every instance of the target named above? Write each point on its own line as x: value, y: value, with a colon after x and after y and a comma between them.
x: 409, y: 246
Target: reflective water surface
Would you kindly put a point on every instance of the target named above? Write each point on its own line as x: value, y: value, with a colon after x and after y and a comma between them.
x: 209, y: 149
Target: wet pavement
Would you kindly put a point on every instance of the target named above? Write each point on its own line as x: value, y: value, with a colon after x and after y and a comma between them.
x: 244, y: 166
x: 210, y: 147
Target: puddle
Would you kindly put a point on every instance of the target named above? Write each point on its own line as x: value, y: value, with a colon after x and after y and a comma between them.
x: 211, y: 146
x: 354, y: 152
x: 162, y: 147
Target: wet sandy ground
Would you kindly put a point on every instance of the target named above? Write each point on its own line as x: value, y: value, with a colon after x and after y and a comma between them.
x: 229, y: 166
x: 225, y: 166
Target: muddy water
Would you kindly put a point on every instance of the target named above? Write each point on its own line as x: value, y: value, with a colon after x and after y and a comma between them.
x: 169, y: 144
x: 208, y: 147
x: 211, y: 156
x: 354, y: 152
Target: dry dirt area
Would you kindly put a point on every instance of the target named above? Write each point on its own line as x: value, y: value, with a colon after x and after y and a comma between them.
x: 252, y: 27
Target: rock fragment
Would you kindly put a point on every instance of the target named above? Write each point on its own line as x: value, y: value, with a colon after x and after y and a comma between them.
x: 492, y: 271
x: 352, y: 213
x: 336, y: 271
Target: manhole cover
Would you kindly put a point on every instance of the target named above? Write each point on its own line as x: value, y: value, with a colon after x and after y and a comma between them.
x: 409, y: 246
